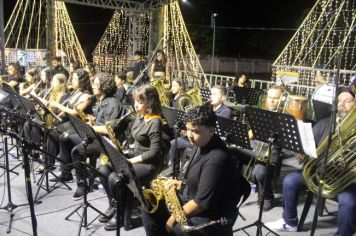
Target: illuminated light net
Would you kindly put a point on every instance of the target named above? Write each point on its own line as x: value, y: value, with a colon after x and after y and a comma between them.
x: 329, y: 28
x: 184, y: 62
x: 115, y: 49
x: 26, y: 34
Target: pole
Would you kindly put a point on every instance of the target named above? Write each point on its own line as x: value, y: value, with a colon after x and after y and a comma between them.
x: 2, y: 37
x: 51, y: 30
x: 213, y: 15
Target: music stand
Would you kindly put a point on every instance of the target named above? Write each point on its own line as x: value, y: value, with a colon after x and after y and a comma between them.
x: 244, y: 95
x: 126, y: 175
x: 176, y: 121
x: 205, y: 94
x: 88, y: 136
x: 233, y: 132
x: 25, y: 147
x: 322, y: 110
x: 275, y: 129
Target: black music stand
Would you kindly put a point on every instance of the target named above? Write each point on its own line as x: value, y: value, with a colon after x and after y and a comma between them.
x: 27, y: 106
x: 233, y: 132
x: 176, y: 121
x: 126, y: 175
x: 88, y: 136
x: 25, y: 145
x: 275, y: 129
x: 322, y: 110
x: 244, y: 95
x: 205, y: 94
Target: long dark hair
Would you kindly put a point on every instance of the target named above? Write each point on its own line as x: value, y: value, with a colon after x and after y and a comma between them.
x: 34, y: 74
x: 149, y: 94
x: 164, y: 58
x: 84, y: 81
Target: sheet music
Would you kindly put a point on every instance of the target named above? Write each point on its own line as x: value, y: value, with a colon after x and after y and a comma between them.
x: 307, y: 138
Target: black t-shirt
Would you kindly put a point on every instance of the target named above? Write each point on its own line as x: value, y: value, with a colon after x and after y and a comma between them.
x: 148, y: 139
x: 137, y: 68
x: 212, y: 180
x: 321, y: 130
x: 120, y: 94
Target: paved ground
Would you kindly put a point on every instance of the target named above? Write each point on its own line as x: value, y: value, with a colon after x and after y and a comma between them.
x: 58, y: 204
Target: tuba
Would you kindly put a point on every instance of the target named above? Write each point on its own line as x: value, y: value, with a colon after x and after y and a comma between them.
x: 157, y: 192
x: 341, y: 160
x: 159, y: 85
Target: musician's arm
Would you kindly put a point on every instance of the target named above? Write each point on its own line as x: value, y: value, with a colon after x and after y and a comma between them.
x: 13, y: 83
x: 23, y: 91
x: 151, y: 70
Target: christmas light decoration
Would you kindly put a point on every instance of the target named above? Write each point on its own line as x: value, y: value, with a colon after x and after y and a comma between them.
x: 327, y: 33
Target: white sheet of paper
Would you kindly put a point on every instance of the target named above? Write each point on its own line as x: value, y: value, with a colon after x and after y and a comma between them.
x: 307, y: 138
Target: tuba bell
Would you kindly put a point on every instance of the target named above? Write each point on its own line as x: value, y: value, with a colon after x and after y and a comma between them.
x: 341, y: 160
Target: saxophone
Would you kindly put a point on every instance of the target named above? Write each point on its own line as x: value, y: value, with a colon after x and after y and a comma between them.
x: 53, y: 96
x: 82, y: 115
x: 159, y: 85
x: 157, y: 192
x: 341, y: 160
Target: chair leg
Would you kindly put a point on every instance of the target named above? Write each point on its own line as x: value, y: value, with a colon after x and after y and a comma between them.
x: 306, y: 208
x: 128, y: 210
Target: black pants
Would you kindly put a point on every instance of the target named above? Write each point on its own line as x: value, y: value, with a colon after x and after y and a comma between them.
x: 155, y: 224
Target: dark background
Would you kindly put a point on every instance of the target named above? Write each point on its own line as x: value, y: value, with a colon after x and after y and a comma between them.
x: 244, y: 28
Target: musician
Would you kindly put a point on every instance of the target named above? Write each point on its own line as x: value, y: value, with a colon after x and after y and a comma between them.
x: 139, y: 66
x: 259, y: 149
x: 159, y: 69
x: 293, y: 183
x: 120, y: 80
x: 218, y: 97
x: 242, y: 81
x: 211, y: 182
x: 32, y: 79
x: 90, y: 68
x: 14, y: 77
x: 147, y: 154
x: 45, y: 83
x: 73, y: 66
x: 107, y: 108
x: 176, y: 95
x: 57, y: 67
x: 319, y: 79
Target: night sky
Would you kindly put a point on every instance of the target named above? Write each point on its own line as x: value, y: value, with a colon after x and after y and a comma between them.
x: 248, y: 29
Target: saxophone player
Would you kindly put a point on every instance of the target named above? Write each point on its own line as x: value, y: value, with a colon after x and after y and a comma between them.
x: 293, y: 183
x: 211, y: 182
x: 148, y: 151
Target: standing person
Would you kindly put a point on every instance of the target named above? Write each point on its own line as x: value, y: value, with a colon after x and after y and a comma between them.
x: 294, y: 183
x: 211, y: 184
x: 242, y: 81
x: 57, y: 67
x: 159, y: 69
x: 139, y: 66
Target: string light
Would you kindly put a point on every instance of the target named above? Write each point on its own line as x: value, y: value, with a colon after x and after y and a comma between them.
x: 329, y: 27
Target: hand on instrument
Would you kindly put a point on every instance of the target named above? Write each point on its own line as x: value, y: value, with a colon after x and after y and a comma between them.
x: 172, y: 182
x: 300, y: 158
x: 91, y: 118
x: 170, y: 223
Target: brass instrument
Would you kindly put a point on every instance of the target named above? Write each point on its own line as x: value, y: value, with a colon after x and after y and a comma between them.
x: 49, y: 118
x: 82, y: 115
x: 341, y: 160
x: 157, y: 192
x: 159, y: 85
x: 194, y: 98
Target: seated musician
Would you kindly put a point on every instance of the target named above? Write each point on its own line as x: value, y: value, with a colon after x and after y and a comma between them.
x: 32, y: 79
x: 147, y: 155
x: 218, y: 97
x: 259, y: 150
x: 293, y: 183
x: 211, y: 182
x: 107, y: 108
x: 120, y: 80
x: 14, y: 77
x: 177, y: 102
x: 41, y: 89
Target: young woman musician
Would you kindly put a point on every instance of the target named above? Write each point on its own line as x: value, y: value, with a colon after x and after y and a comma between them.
x: 42, y: 88
x: 159, y: 69
x: 32, y: 79
x: 14, y: 77
x: 147, y: 153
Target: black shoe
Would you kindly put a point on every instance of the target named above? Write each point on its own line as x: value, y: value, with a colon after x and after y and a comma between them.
x: 62, y: 178
x: 79, y: 193
x: 109, y: 213
x: 111, y: 225
x: 268, y: 205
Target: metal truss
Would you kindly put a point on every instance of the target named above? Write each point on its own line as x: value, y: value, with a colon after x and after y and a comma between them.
x: 127, y: 5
